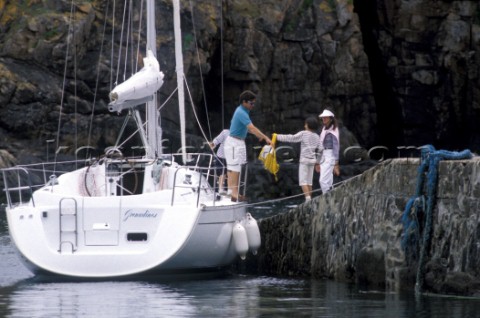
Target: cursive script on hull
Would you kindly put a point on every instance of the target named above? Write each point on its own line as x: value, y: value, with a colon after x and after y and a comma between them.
x: 138, y: 214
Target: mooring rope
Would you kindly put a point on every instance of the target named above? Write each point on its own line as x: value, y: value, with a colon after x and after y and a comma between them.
x: 291, y: 197
x: 421, y: 207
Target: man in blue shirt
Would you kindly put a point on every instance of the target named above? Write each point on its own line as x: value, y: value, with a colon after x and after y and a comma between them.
x: 235, y: 149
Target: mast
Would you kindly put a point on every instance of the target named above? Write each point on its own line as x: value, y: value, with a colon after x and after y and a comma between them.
x: 154, y: 129
x: 141, y: 89
x: 180, y: 74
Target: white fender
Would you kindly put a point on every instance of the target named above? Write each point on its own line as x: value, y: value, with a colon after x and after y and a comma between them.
x: 240, y: 239
x: 253, y: 234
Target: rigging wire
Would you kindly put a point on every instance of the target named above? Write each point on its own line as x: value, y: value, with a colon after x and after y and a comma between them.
x: 168, y: 98
x: 75, y: 89
x: 97, y: 80
x: 127, y: 45
x: 198, y: 60
x: 70, y: 29
x: 144, y: 125
x: 139, y: 35
x: 200, y: 72
x: 121, y: 41
x: 194, y: 111
x: 222, y: 101
x: 129, y: 37
x: 198, y: 121
x: 129, y: 33
x: 113, y: 45
x: 124, y: 127
x: 134, y: 62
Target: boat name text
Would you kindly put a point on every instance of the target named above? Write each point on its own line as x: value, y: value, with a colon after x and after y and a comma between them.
x: 134, y: 214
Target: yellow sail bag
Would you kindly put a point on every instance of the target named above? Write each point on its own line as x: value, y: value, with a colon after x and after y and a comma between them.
x: 269, y: 157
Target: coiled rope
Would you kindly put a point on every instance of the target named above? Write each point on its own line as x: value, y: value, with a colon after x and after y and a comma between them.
x: 420, y: 207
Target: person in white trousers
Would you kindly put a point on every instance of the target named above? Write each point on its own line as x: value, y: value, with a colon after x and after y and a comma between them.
x: 330, y: 140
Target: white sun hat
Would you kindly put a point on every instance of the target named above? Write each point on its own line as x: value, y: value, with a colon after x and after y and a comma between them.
x: 326, y: 113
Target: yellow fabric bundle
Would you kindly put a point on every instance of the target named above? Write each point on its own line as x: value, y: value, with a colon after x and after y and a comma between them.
x: 269, y: 157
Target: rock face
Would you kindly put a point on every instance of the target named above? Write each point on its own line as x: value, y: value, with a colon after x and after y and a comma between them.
x: 355, y: 232
x: 394, y: 72
x: 423, y: 57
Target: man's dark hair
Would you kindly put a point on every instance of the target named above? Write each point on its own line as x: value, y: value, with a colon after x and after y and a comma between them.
x: 247, y: 96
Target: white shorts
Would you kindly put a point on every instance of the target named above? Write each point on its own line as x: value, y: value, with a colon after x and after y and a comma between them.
x: 305, y: 174
x: 235, y: 153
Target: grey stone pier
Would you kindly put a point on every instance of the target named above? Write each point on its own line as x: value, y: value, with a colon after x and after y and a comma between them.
x: 354, y: 233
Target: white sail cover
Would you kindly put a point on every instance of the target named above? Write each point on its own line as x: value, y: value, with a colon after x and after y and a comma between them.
x: 142, y: 84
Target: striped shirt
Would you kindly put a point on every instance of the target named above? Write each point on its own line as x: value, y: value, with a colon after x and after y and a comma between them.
x: 310, y: 147
x: 220, y: 140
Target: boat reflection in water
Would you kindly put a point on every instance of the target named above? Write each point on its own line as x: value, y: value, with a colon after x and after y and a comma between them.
x: 231, y: 296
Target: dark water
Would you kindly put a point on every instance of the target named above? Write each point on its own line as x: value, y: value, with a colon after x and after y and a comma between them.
x: 22, y: 295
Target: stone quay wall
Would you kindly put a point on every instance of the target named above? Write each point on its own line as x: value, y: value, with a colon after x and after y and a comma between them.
x: 354, y: 233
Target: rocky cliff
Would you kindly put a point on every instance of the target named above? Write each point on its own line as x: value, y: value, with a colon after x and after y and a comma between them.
x: 395, y: 72
x: 356, y: 233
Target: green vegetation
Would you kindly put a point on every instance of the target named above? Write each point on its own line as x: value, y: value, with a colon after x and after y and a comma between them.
x: 31, y: 8
x: 294, y: 20
x: 251, y: 10
x: 332, y: 3
x: 187, y: 40
x: 51, y: 34
x: 306, y: 4
x: 476, y: 18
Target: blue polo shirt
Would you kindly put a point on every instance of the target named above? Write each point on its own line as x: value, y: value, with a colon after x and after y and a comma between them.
x: 239, y: 123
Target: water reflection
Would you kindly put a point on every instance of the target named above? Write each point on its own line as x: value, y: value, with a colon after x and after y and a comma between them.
x: 11, y: 270
x: 236, y: 296
x: 97, y: 299
x: 271, y: 208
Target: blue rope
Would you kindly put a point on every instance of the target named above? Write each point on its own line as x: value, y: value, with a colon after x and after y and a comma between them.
x: 417, y: 209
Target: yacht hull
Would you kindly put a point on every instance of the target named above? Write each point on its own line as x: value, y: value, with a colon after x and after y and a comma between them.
x: 116, y: 238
